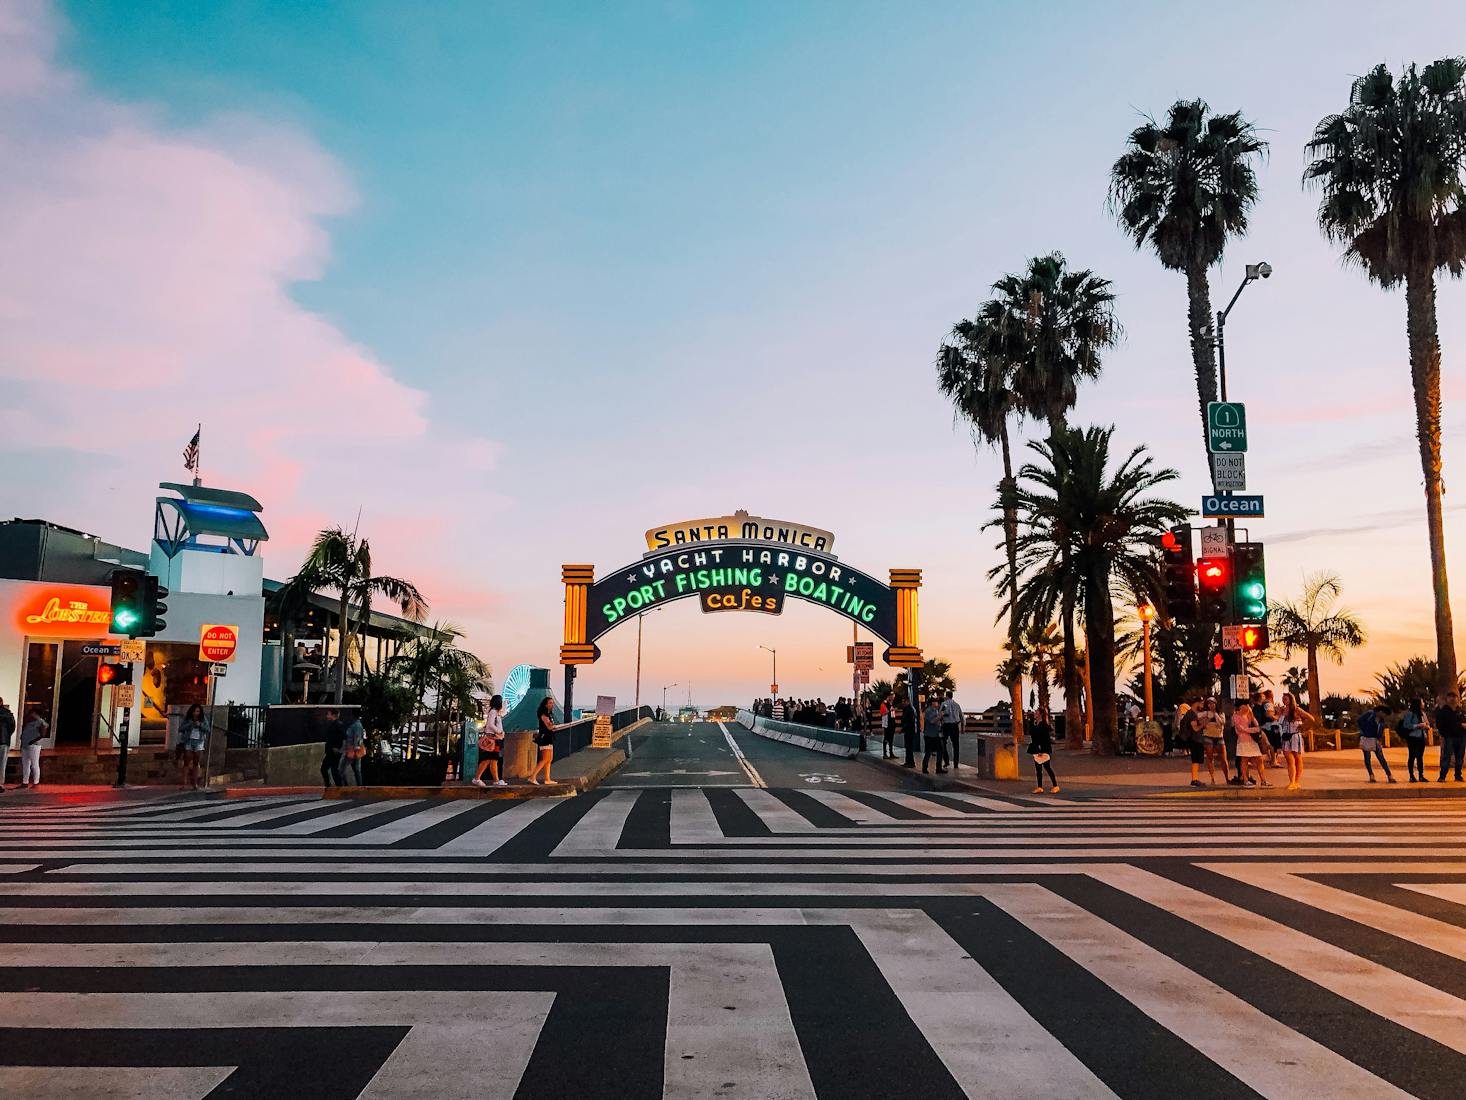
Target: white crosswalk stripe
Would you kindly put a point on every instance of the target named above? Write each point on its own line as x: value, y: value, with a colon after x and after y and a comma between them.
x: 763, y: 943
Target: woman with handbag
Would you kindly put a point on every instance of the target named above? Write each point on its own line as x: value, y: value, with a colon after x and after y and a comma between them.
x: 1249, y: 745
x: 1041, y: 748
x: 544, y: 739
x: 491, y: 744
x: 353, y: 752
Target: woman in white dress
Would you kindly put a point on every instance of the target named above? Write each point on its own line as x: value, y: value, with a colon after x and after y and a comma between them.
x: 1249, y: 749
x: 1290, y: 730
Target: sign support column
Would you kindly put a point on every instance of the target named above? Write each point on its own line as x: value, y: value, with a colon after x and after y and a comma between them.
x: 576, y: 650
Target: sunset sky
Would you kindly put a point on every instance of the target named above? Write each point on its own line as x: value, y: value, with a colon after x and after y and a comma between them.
x: 517, y: 282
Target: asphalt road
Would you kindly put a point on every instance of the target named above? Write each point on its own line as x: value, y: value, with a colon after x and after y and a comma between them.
x: 707, y: 754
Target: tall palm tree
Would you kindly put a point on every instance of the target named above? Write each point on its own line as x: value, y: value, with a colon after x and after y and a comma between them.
x: 1110, y: 521
x: 1315, y: 624
x: 980, y: 395
x: 937, y: 675
x: 342, y: 561
x: 1185, y: 188
x: 1047, y: 330
x: 1392, y: 168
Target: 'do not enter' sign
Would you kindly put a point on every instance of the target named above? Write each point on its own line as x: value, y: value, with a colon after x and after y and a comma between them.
x: 218, y: 642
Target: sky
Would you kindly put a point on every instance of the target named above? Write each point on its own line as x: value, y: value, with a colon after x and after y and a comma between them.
x: 514, y: 283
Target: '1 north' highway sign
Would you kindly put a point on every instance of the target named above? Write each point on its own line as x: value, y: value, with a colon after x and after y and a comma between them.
x: 1220, y: 507
x: 1226, y: 426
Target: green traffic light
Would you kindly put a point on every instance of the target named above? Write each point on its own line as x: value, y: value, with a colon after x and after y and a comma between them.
x: 124, y: 618
x: 1254, y: 590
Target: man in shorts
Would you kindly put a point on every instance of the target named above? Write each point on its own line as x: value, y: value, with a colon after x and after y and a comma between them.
x: 1189, y: 734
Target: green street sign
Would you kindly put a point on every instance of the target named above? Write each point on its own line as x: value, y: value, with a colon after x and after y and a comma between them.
x: 1226, y: 426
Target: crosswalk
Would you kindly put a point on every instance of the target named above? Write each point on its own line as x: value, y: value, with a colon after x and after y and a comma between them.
x: 733, y: 942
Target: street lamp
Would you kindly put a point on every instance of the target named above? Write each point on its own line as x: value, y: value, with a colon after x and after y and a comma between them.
x: 664, y: 699
x: 1254, y: 272
x: 1147, y: 613
x: 774, y: 683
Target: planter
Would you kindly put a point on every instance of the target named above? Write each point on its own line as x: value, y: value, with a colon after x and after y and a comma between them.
x: 422, y: 771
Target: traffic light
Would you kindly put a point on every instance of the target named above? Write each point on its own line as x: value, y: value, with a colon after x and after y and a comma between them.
x: 1178, y: 575
x: 1251, y: 582
x: 114, y: 674
x: 1253, y: 636
x: 128, y: 610
x: 1214, y: 590
x: 1226, y: 662
x: 153, y: 608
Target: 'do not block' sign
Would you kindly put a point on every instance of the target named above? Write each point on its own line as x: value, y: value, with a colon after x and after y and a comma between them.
x: 218, y: 642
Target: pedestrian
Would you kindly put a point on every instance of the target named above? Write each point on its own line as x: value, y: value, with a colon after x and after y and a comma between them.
x: 908, y: 731
x: 193, y: 736
x: 931, y: 740
x: 888, y: 729
x: 1229, y: 741
x: 1249, y: 745
x: 353, y: 751
x: 1041, y: 749
x: 1267, y: 718
x: 335, y: 741
x: 778, y: 711
x: 491, y: 745
x: 35, y: 730
x: 951, y: 725
x: 1290, y: 731
x: 544, y: 739
x: 1415, y: 728
x: 1371, y: 740
x: 1453, y: 736
x: 1189, y: 733
x: 7, y: 728
x: 1215, y: 741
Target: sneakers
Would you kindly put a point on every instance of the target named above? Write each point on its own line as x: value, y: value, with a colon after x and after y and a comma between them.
x: 1038, y: 790
x: 1197, y: 783
x: 941, y: 771
x: 1054, y: 789
x: 500, y: 783
x: 477, y: 783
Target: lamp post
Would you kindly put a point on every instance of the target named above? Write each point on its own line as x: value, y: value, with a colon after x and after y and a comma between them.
x: 774, y: 683
x: 1147, y: 613
x: 664, y: 699
x: 1254, y: 272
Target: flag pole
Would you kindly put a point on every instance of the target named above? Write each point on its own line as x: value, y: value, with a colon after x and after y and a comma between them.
x: 198, y: 458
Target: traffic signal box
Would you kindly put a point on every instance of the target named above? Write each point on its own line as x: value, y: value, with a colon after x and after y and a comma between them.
x: 1214, y: 590
x: 153, y: 608
x: 1226, y: 663
x: 1178, y: 571
x: 128, y: 610
x: 1250, y: 590
x: 114, y: 674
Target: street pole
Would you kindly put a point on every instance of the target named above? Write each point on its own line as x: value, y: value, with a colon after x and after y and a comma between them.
x: 1149, y: 698
x: 774, y: 683
x: 122, y: 753
x: 638, y: 661
x: 664, y: 699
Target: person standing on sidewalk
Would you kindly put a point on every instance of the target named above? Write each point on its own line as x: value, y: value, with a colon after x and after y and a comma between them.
x: 1249, y: 745
x: 353, y: 751
x: 1453, y: 736
x: 35, y: 730
x: 335, y: 741
x: 193, y: 735
x: 908, y: 717
x: 931, y: 742
x: 491, y: 745
x: 1041, y: 749
x: 7, y: 728
x: 544, y: 739
x: 1414, y: 728
x: 951, y: 725
x: 1290, y: 732
x: 888, y: 729
x: 1371, y: 741
x: 1216, y: 742
x: 1190, y: 735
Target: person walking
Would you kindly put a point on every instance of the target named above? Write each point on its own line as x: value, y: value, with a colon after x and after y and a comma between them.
x: 931, y: 741
x: 35, y: 730
x: 544, y: 739
x: 353, y: 751
x: 1371, y: 740
x: 1453, y: 736
x: 1290, y: 732
x: 908, y: 730
x: 1214, y: 741
x: 7, y: 730
x: 951, y: 725
x: 335, y: 741
x: 193, y: 736
x: 1415, y: 729
x: 491, y: 745
x: 1249, y: 745
x: 1041, y: 749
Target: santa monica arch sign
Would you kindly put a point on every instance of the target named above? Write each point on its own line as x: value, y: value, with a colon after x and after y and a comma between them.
x: 739, y: 563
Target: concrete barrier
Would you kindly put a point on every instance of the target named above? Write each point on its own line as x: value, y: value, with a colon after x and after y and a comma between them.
x: 817, y: 738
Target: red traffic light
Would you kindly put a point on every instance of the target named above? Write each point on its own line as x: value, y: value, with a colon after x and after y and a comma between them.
x: 1218, y: 660
x: 1211, y: 572
x: 114, y: 674
x: 1252, y: 637
x: 1169, y: 541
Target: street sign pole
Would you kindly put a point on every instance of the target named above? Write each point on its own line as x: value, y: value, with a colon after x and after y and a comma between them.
x: 125, y: 731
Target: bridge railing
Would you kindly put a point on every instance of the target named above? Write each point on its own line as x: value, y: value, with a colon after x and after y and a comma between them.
x: 819, y: 738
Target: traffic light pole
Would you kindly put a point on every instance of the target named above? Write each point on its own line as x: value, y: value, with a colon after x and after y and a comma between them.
x: 125, y: 731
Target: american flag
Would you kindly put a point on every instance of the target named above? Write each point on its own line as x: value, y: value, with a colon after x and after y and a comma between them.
x: 191, y: 452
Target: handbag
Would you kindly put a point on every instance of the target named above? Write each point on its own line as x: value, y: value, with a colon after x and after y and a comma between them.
x: 486, y: 742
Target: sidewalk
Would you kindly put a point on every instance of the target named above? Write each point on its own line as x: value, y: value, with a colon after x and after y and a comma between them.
x: 1326, y: 774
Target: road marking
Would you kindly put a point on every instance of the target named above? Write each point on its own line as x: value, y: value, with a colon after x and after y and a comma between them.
x: 749, y: 770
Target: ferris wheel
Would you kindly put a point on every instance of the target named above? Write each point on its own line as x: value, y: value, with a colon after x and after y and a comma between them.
x: 515, y: 685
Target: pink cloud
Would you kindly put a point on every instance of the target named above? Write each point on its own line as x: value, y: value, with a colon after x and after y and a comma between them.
x: 147, y: 276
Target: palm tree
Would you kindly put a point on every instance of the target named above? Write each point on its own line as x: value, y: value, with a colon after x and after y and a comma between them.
x: 1105, y: 523
x: 1315, y: 624
x: 979, y: 394
x: 937, y: 676
x: 341, y: 561
x: 1043, y: 648
x: 1046, y: 331
x: 876, y: 693
x: 1392, y: 168
x: 1185, y: 188
x: 1295, y: 681
x: 1417, y: 678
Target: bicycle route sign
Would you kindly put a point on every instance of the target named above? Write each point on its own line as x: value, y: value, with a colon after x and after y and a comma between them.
x: 1226, y: 426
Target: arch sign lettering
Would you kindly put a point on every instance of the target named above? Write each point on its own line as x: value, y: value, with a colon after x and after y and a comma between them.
x: 739, y: 563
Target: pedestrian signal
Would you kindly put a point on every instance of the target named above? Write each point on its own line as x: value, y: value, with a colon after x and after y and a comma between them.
x: 1252, y: 636
x: 114, y: 674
